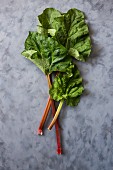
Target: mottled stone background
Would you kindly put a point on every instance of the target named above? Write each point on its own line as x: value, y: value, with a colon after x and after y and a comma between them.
x: 87, y: 130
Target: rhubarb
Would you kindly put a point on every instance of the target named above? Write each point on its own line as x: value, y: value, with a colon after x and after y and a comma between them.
x: 66, y: 87
x: 59, y: 149
x: 60, y: 37
x: 40, y: 129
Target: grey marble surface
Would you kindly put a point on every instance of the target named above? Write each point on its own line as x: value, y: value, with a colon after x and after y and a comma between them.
x: 87, y: 130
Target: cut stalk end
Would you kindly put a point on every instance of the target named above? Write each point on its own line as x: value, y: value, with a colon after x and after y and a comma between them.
x: 49, y: 129
x: 40, y: 132
x: 59, y: 151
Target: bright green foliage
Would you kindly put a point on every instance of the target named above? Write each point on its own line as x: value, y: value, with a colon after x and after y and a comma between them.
x: 69, y: 29
x: 47, y: 17
x: 67, y: 87
x: 59, y: 37
x: 46, y: 53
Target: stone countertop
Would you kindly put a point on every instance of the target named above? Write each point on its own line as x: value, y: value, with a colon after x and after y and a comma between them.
x: 87, y: 130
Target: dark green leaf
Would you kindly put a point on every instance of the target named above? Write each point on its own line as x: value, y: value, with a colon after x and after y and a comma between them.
x: 66, y: 87
x: 70, y: 30
x: 47, y: 17
x: 46, y: 53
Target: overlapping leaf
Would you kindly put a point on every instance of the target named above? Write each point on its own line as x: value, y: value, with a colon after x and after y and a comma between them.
x: 66, y: 87
x: 47, y: 17
x: 46, y: 53
x: 69, y: 29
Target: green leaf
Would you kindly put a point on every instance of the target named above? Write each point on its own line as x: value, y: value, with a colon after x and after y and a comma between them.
x: 32, y: 56
x: 44, y: 31
x: 66, y: 87
x: 72, y: 32
x: 47, y: 17
x: 28, y: 53
x: 73, y: 101
x: 46, y: 53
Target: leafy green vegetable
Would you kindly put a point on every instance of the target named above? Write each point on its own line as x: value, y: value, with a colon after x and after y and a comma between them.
x: 44, y: 31
x: 69, y: 29
x: 46, y: 53
x: 59, y: 37
x: 67, y: 87
x: 47, y: 17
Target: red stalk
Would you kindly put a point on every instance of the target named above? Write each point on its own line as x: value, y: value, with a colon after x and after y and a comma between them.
x: 59, y: 148
x: 40, y: 128
x: 51, y: 104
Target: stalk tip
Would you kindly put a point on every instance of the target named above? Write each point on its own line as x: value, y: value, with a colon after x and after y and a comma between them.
x: 59, y: 151
x: 40, y: 132
x: 49, y: 129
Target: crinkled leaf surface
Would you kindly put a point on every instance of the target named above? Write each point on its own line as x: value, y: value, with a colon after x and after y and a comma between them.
x: 46, y: 53
x: 47, y: 17
x: 45, y: 31
x: 70, y: 30
x: 66, y: 87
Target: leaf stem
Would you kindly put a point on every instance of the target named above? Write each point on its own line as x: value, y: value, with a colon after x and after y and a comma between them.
x: 51, y: 104
x: 59, y: 148
x: 40, y: 128
x: 56, y: 115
